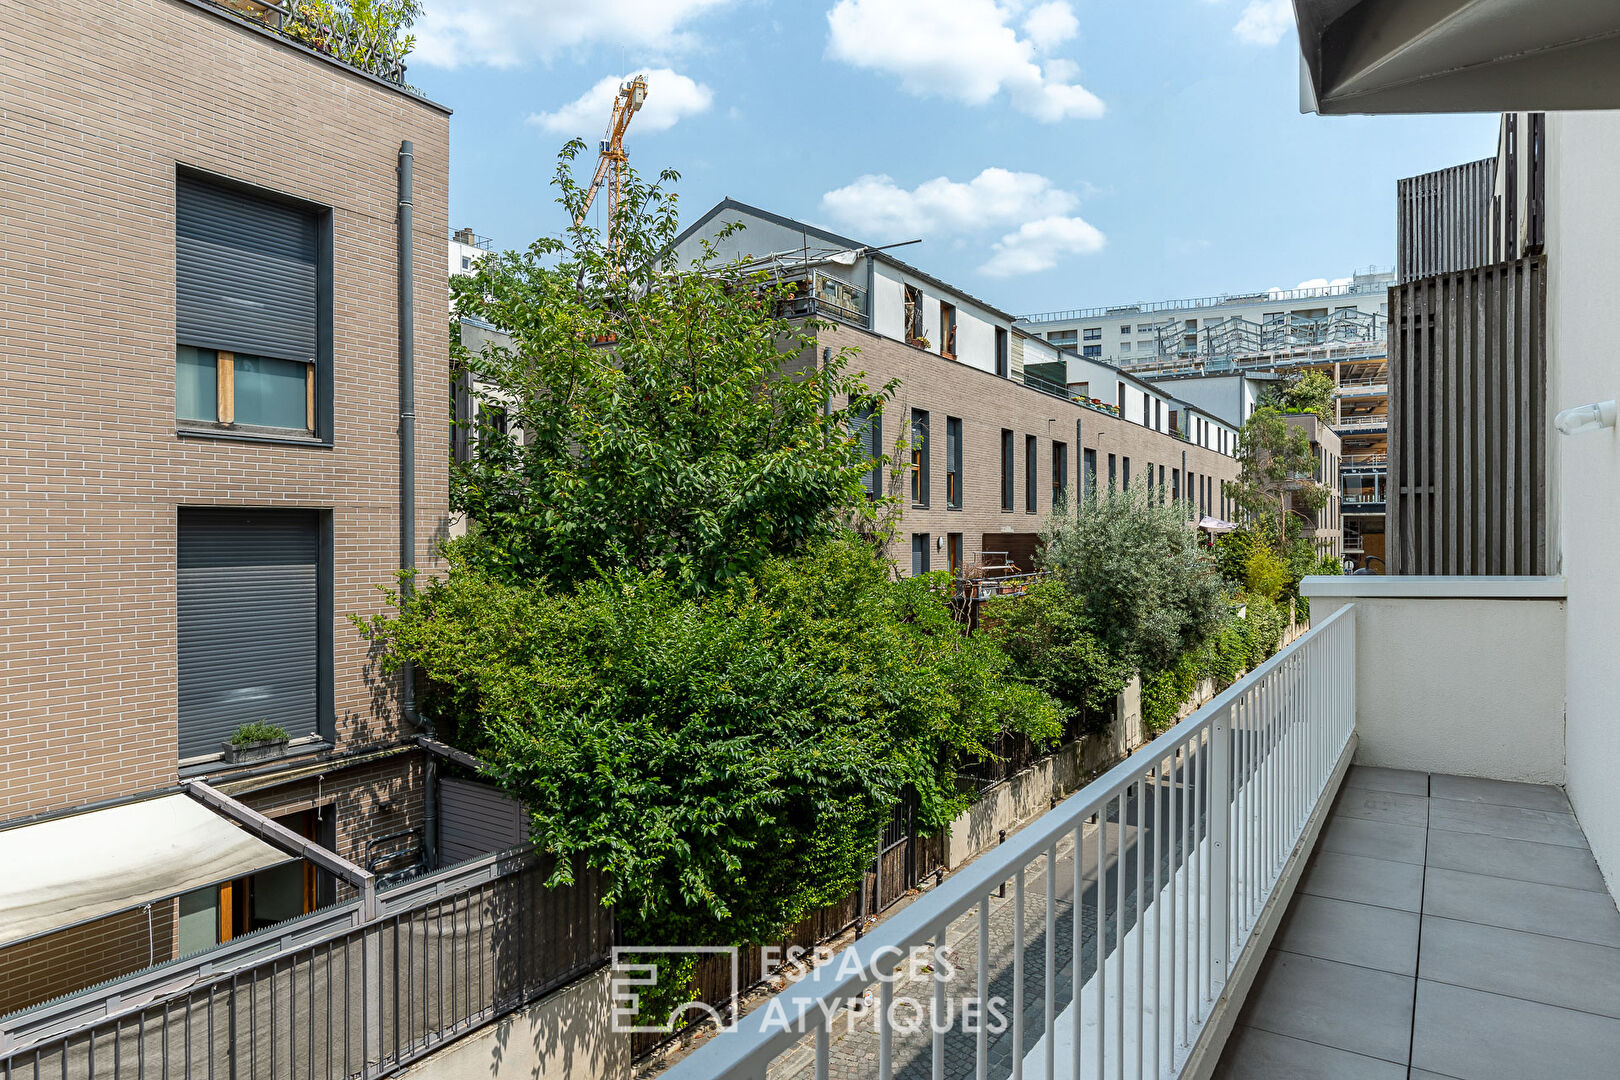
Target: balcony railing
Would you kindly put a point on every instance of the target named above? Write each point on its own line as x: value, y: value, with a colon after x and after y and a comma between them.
x: 1171, y: 861
x: 343, y: 43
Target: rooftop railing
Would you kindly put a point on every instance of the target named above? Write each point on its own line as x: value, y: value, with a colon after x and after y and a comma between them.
x: 335, y: 39
x: 1170, y: 862
x: 1268, y: 296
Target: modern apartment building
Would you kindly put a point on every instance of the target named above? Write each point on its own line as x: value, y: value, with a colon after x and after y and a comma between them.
x: 1002, y: 426
x: 219, y: 321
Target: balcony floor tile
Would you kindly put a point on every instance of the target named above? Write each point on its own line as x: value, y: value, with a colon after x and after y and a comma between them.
x: 1473, y: 1035
x: 1374, y: 839
x: 1383, y: 882
x: 1508, y: 822
x: 1381, y: 779
x: 1500, y: 793
x: 1522, y: 905
x: 1554, y: 971
x: 1550, y: 864
x: 1253, y: 1054
x: 1516, y: 953
x: 1353, y: 1008
x: 1371, y: 804
x: 1361, y: 934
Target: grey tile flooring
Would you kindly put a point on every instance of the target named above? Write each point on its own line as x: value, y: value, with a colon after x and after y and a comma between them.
x: 1373, y: 839
x: 1550, y: 864
x: 1352, y: 1008
x: 1380, y: 779
x: 1522, y: 905
x: 1509, y: 822
x: 1351, y: 933
x: 1370, y: 804
x: 1385, y: 882
x: 1253, y: 1054
x: 1478, y: 1036
x: 1553, y: 971
x: 1499, y: 792
x: 1516, y: 954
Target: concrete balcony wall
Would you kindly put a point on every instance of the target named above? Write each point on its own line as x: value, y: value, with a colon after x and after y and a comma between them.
x: 1456, y: 675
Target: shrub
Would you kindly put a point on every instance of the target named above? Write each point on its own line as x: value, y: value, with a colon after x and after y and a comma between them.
x: 1230, y: 652
x: 1264, y: 573
x: 1048, y: 638
x: 1266, y: 624
x: 258, y: 731
x: 1148, y: 590
x: 1165, y: 692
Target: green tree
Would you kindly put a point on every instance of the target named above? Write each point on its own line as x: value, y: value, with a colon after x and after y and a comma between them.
x: 364, y: 33
x: 1148, y: 589
x: 657, y: 418
x: 1276, y: 464
x: 1049, y: 639
x: 725, y: 760
x: 1309, y: 392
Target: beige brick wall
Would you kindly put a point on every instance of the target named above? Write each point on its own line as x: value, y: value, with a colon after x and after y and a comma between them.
x: 69, y: 960
x: 99, y: 103
x: 986, y: 405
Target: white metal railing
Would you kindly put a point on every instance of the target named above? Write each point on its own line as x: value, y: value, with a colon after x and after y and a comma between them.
x: 1201, y: 823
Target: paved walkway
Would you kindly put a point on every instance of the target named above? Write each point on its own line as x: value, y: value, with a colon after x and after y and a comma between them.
x: 1445, y: 928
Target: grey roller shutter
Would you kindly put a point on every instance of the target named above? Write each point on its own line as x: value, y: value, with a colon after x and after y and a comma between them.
x: 245, y: 275
x: 249, y: 630
x: 477, y: 819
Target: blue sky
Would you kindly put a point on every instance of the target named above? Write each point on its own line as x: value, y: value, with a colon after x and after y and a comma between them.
x: 1050, y: 153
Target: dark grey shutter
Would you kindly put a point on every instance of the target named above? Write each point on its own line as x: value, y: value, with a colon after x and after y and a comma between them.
x: 249, y: 623
x: 245, y: 273
x: 477, y: 819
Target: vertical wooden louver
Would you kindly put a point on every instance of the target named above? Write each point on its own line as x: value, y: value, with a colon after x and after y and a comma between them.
x: 1468, y: 399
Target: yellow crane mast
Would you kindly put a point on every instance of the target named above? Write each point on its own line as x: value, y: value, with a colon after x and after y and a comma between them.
x: 609, y: 165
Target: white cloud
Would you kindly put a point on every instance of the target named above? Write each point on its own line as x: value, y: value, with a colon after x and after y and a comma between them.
x: 876, y: 205
x: 1039, y: 245
x: 506, y: 33
x: 1265, y: 22
x: 1039, y: 214
x: 670, y: 98
x: 966, y: 50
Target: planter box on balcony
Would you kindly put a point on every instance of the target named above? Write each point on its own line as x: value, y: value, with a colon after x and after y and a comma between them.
x: 261, y: 750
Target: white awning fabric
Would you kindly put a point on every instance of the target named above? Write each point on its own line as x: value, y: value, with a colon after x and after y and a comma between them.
x: 70, y: 870
x: 1215, y: 524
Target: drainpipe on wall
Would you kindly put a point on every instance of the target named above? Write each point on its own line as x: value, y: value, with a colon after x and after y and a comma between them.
x: 407, y: 477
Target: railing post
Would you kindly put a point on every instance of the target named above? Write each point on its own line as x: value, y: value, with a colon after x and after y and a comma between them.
x: 1220, y: 846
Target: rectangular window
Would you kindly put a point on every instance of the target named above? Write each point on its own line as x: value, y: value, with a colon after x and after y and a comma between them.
x: 1175, y: 484
x: 920, y: 545
x: 1125, y: 475
x: 1007, y: 467
x: 254, y: 624
x: 947, y: 330
x: 1060, y: 474
x: 1161, y: 481
x: 1147, y: 477
x: 867, y: 427
x: 1030, y: 492
x: 1113, y: 477
x: 1158, y: 415
x: 252, y: 312
x: 1002, y: 359
x: 914, y: 315
x: 1089, y: 480
x: 1125, y: 329
x: 953, y: 463
x: 1093, y: 333
x: 953, y: 551
x: 1124, y: 348
x: 1091, y: 350
x: 919, y: 458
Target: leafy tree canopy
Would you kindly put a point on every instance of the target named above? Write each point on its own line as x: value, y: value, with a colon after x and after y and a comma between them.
x: 1310, y: 392
x: 658, y: 419
x: 1050, y: 641
x: 727, y: 760
x: 1276, y: 465
x: 1148, y: 589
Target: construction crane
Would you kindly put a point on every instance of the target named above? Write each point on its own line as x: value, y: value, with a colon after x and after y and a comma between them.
x: 610, y: 164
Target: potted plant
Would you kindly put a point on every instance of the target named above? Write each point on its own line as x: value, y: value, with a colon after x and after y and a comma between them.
x: 256, y: 741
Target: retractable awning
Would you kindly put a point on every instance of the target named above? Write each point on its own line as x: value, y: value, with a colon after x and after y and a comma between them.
x: 1215, y: 525
x: 70, y: 870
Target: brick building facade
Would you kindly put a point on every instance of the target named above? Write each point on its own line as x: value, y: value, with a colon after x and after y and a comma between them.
x: 106, y: 112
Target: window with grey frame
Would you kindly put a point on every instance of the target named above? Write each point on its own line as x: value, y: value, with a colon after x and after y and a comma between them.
x: 1031, y: 492
x: 254, y: 618
x: 1113, y: 473
x: 1125, y: 474
x: 920, y: 551
x: 953, y: 463
x: 1089, y: 480
x: 920, y: 485
x: 1007, y: 470
x: 253, y: 312
x: 1060, y: 474
x: 867, y: 426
